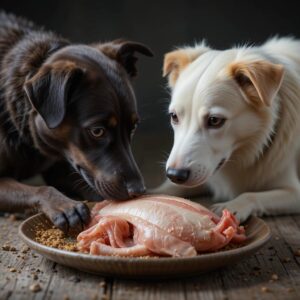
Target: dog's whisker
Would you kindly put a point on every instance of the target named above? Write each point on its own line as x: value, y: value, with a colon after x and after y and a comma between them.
x: 78, y: 183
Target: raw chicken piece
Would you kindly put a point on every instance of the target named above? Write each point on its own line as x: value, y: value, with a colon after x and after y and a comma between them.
x: 157, y: 225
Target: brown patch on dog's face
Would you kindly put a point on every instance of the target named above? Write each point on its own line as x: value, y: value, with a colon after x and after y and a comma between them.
x: 113, y: 121
x: 79, y: 158
x: 259, y: 80
x: 85, y: 107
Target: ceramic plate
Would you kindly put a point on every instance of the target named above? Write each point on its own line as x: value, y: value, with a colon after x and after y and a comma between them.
x: 147, y: 268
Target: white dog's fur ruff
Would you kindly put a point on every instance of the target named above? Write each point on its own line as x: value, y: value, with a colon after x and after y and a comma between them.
x: 257, y: 91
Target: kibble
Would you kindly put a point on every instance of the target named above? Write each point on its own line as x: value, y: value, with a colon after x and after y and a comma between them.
x: 13, y: 270
x: 274, y: 277
x: 55, y: 238
x: 12, y: 218
x: 35, y: 288
x: 8, y: 247
x: 286, y: 259
x: 265, y: 289
x: 25, y: 249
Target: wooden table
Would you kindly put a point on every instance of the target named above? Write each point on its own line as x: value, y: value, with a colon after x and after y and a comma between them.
x: 273, y: 273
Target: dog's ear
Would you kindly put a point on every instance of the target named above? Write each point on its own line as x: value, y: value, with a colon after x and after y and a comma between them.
x: 48, y: 90
x: 176, y: 61
x: 258, y: 80
x: 124, y: 52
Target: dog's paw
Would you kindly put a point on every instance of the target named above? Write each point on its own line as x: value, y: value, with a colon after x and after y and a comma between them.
x: 241, y: 209
x: 65, y: 213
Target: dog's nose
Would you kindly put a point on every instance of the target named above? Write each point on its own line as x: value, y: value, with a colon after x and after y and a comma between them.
x: 135, y: 191
x: 178, y: 175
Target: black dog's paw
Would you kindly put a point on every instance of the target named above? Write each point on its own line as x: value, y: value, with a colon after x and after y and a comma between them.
x: 66, y: 214
x: 70, y: 218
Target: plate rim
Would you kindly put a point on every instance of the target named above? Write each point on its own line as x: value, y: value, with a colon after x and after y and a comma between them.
x: 149, y: 260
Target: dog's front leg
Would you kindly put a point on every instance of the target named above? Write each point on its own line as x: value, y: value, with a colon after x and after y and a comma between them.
x: 268, y: 203
x: 64, y: 212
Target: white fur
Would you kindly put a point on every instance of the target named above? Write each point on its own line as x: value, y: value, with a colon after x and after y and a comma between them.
x: 260, y: 176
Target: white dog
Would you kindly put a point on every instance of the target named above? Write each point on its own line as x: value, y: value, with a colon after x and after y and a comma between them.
x: 236, y: 121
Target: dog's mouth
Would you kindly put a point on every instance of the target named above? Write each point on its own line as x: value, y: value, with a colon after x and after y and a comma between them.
x: 220, y: 164
x: 86, y: 176
x: 204, y: 178
x: 110, y: 190
x: 105, y: 189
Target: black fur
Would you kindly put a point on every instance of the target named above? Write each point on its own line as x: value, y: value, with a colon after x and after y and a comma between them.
x: 54, y: 97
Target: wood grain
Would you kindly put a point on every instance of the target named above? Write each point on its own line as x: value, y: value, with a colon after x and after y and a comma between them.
x: 251, y: 279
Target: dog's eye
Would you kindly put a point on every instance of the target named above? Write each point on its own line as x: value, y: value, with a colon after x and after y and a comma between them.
x: 174, y: 118
x: 215, y: 122
x: 97, y: 132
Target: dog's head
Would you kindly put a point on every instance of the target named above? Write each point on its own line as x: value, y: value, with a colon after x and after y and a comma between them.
x: 223, y: 108
x: 85, y: 109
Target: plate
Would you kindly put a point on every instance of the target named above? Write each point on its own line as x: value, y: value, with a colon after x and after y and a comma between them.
x: 257, y: 231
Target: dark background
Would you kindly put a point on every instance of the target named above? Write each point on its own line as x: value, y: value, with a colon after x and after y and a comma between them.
x: 161, y: 25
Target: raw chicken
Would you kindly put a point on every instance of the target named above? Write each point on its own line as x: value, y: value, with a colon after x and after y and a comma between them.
x: 157, y: 225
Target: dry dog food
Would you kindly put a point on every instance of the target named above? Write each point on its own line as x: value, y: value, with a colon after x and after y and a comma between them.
x: 55, y: 238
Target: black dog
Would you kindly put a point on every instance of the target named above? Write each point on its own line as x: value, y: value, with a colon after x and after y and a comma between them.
x: 65, y: 103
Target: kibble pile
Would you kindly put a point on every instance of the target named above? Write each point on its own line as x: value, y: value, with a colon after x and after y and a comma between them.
x: 55, y: 238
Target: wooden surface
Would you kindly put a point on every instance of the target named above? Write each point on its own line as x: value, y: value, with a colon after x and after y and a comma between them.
x: 250, y: 279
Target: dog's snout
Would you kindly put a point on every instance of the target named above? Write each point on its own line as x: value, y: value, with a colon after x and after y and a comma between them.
x: 178, y: 175
x: 135, y: 190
